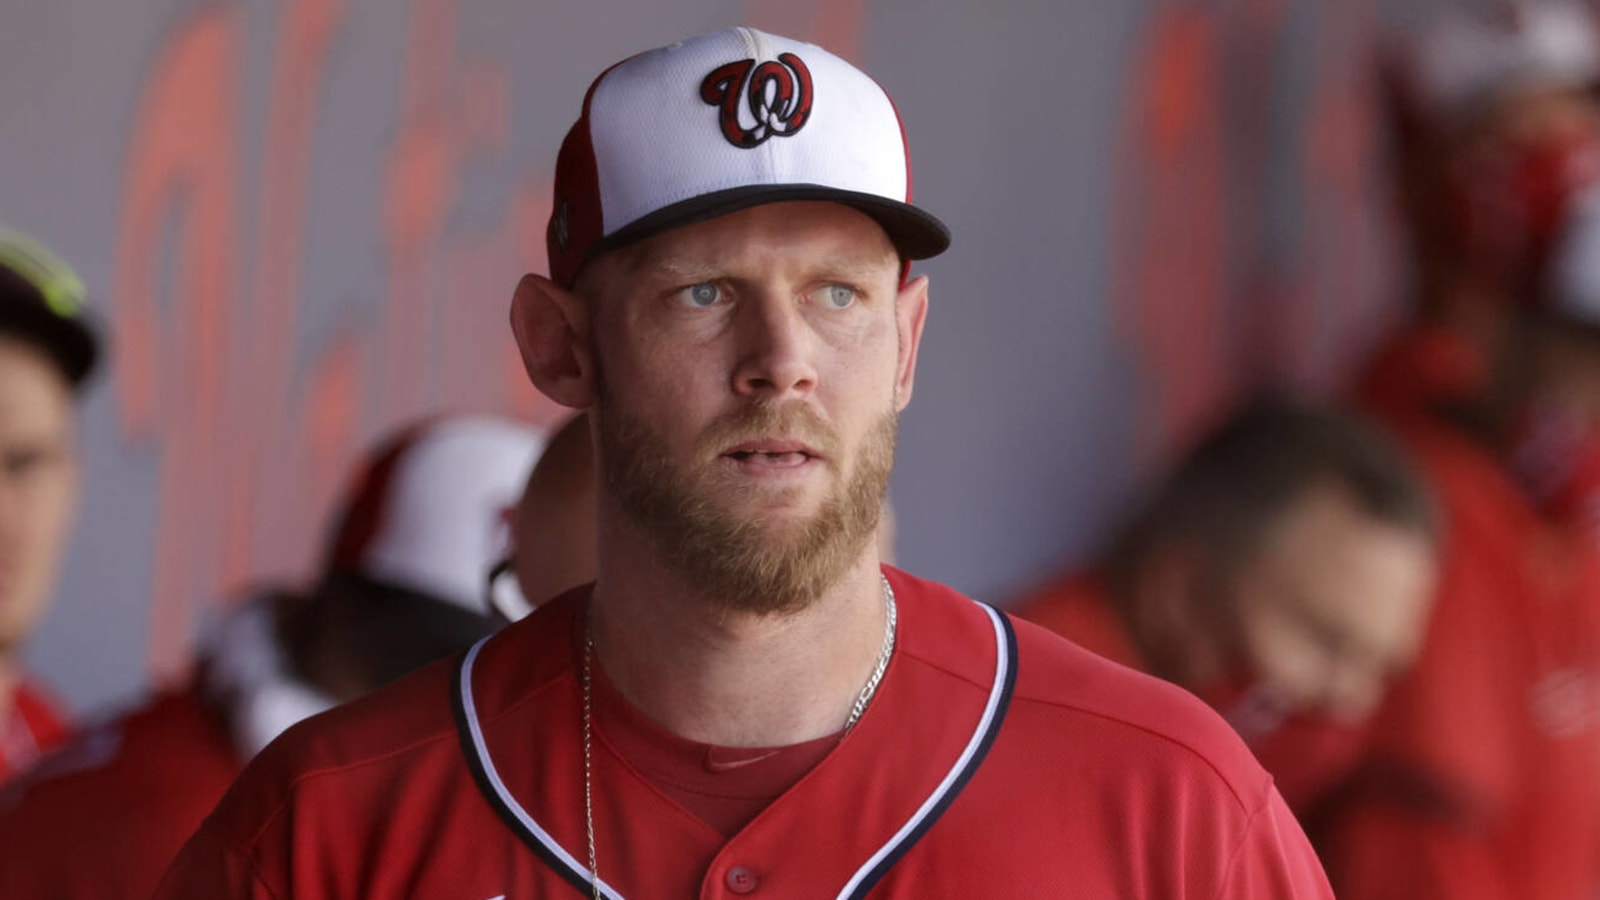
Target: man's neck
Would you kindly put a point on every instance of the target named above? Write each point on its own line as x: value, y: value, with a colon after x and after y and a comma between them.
x: 737, y: 679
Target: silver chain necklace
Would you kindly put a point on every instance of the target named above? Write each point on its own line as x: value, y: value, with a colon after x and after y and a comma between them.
x: 856, y: 709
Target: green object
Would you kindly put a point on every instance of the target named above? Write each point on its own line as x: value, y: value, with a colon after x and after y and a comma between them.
x: 61, y: 288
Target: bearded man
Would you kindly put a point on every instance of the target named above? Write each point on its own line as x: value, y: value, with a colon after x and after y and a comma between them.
x: 746, y: 700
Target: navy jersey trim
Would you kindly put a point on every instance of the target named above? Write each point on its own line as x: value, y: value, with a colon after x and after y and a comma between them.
x: 994, y: 713
x: 499, y: 796
x: 866, y: 877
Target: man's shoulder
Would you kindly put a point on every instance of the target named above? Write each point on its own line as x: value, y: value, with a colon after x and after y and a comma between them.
x: 374, y: 739
x: 1066, y: 693
x: 133, y: 784
x: 1469, y: 479
x: 402, y: 731
x: 135, y: 749
x: 1069, y: 698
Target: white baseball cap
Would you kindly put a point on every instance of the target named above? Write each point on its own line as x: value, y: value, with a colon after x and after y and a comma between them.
x: 720, y: 123
x: 430, y: 512
x: 1467, y: 58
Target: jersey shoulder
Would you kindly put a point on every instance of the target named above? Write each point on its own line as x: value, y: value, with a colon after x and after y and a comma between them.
x: 1063, y: 691
x: 104, y: 813
x: 170, y: 740
x: 1065, y: 685
x: 400, y: 727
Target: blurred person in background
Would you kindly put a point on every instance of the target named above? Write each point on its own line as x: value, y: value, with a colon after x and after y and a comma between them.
x: 400, y: 587
x: 553, y: 530
x: 1483, y: 775
x: 1282, y: 572
x: 47, y: 351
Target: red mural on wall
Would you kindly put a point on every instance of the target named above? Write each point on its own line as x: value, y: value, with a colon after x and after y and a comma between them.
x: 1170, y: 226
x: 1213, y: 296
x: 173, y: 345
x: 1344, y: 292
x: 252, y: 424
x: 252, y: 447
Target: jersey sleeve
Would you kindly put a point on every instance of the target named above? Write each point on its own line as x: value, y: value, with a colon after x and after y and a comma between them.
x: 1273, y: 860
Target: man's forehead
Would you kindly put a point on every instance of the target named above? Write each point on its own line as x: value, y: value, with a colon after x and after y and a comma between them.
x: 836, y: 238
x: 848, y: 265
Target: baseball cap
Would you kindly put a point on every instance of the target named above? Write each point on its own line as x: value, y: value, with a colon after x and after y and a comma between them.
x: 1466, y: 59
x: 723, y: 122
x: 430, y: 511
x: 42, y: 302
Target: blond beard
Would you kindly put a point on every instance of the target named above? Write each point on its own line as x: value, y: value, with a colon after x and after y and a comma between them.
x: 737, y: 561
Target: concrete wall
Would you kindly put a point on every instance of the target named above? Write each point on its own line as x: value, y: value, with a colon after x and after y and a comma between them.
x: 301, y: 222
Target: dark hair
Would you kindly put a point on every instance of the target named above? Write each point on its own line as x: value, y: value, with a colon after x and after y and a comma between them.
x: 66, y: 339
x: 381, y: 630
x: 1224, y: 497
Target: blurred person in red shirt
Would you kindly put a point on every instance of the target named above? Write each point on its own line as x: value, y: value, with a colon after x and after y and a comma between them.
x: 47, y: 351
x: 1483, y: 774
x: 401, y: 586
x: 1282, y: 572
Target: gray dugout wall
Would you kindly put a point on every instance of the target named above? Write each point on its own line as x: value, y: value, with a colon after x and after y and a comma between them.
x: 301, y: 222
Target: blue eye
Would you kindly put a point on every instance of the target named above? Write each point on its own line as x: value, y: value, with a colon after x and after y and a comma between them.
x: 837, y: 296
x: 700, y: 295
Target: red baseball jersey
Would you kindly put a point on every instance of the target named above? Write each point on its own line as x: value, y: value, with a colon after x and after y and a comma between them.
x: 994, y: 761
x: 104, y: 815
x: 35, y: 725
x: 1484, y: 771
x: 1307, y: 754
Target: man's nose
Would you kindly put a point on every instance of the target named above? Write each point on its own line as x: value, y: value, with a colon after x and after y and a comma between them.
x: 776, y: 346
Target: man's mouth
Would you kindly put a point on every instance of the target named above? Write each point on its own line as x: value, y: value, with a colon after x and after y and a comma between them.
x: 778, y: 454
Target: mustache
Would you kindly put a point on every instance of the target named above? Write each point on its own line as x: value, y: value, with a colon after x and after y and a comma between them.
x: 790, y: 421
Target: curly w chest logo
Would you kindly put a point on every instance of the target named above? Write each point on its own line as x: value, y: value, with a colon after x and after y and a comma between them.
x: 757, y: 102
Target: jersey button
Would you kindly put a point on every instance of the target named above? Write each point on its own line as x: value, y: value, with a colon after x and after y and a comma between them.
x: 741, y: 880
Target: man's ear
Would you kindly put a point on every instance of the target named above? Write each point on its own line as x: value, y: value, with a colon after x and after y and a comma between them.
x: 910, y: 312
x: 552, y: 330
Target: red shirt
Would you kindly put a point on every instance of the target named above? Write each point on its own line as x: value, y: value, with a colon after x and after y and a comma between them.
x: 104, y: 816
x: 35, y: 725
x: 1485, y: 766
x: 724, y: 787
x: 1306, y: 754
x: 994, y: 761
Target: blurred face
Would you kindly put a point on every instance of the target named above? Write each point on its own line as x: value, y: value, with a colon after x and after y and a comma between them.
x: 555, y: 528
x: 1508, y: 182
x: 1334, y: 606
x: 751, y: 371
x: 38, y: 485
x: 1534, y: 116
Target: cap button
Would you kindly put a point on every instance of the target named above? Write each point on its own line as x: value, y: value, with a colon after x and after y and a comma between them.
x: 742, y: 880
